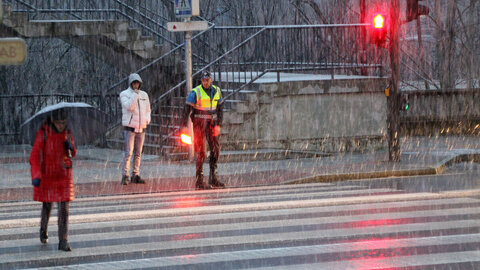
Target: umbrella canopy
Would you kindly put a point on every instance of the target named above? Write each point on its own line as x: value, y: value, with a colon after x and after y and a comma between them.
x: 85, y: 121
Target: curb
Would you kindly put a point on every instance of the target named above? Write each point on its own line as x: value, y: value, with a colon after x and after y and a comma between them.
x: 325, y: 178
x: 438, y: 169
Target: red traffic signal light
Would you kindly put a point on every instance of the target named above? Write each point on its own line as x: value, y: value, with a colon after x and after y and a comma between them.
x: 379, y: 21
x: 379, y: 29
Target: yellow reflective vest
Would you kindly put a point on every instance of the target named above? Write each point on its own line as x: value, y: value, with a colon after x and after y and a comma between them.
x: 204, y: 103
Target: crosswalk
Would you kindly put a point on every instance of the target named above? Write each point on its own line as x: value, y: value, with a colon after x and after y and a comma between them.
x: 311, y: 226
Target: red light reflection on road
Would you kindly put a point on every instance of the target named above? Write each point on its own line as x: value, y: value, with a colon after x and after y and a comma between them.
x: 376, y: 253
x: 190, y: 236
x: 189, y: 202
x: 379, y: 256
x: 378, y: 222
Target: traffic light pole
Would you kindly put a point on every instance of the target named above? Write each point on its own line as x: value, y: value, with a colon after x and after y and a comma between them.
x: 393, y: 101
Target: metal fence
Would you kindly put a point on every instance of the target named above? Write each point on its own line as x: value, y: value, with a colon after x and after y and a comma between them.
x: 240, y: 55
x: 16, y: 109
x: 453, y: 105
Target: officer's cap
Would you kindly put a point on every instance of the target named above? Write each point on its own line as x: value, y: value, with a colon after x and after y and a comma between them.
x: 206, y: 74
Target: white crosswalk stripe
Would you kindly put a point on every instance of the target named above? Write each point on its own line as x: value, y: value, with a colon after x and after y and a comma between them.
x: 314, y: 226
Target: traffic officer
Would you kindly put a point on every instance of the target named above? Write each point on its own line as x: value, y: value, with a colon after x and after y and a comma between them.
x: 203, y: 106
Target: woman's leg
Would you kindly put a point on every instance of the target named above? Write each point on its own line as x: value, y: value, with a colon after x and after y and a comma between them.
x: 45, y: 216
x: 63, y: 244
x: 63, y: 208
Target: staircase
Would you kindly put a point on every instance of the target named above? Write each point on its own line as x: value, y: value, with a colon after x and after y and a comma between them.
x: 113, y: 41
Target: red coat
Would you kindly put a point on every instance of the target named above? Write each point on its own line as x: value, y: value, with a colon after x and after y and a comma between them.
x: 50, y: 163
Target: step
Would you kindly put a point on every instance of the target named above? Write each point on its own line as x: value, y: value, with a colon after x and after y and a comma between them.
x: 233, y: 117
x: 242, y: 94
x: 15, y: 20
x: 139, y: 44
x: 75, y: 27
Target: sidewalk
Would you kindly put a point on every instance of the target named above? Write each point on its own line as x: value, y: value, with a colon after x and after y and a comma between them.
x: 97, y: 171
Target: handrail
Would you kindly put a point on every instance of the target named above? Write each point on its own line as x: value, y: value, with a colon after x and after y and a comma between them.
x: 261, y: 30
x: 144, y: 26
x: 207, y: 66
x: 157, y: 60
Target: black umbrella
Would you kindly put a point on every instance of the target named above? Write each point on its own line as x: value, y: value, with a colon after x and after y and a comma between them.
x: 85, y: 121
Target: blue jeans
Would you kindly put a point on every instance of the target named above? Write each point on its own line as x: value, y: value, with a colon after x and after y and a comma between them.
x: 133, y: 143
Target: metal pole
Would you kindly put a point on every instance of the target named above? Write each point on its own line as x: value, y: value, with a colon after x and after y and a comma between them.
x: 188, y: 78
x: 393, y: 102
x: 363, y: 42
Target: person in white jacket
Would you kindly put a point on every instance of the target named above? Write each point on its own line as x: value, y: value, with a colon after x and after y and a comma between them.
x: 135, y: 118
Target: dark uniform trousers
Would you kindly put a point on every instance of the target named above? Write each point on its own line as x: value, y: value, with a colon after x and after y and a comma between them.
x: 203, y: 128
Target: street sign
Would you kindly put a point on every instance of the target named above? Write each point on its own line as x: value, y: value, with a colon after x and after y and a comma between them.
x: 187, y: 26
x: 187, y: 8
x: 12, y: 51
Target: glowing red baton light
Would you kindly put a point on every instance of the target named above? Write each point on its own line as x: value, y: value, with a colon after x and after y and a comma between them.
x: 186, y: 139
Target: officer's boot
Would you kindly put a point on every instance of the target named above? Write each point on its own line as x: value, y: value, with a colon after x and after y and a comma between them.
x: 200, y: 184
x: 213, y: 178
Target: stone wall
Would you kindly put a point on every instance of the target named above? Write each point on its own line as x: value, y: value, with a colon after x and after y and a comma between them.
x: 324, y: 116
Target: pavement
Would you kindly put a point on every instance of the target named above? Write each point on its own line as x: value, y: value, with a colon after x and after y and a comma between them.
x: 97, y: 171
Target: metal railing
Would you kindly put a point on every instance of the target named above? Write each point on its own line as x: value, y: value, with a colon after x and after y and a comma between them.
x: 448, y: 105
x: 242, y: 53
x: 16, y: 109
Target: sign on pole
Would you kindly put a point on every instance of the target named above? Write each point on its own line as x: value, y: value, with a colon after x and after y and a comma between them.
x: 187, y: 26
x: 187, y: 8
x: 12, y: 51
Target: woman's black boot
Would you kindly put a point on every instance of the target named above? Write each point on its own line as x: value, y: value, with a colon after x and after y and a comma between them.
x: 43, y: 236
x: 64, y: 245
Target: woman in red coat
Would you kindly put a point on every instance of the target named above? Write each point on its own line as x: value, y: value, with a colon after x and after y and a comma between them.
x: 52, y: 178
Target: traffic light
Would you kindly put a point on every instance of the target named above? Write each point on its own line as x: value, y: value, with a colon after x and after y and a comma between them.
x: 414, y: 10
x: 404, y: 102
x: 378, y: 29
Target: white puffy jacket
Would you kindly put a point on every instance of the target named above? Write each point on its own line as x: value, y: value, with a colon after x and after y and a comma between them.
x: 135, y: 106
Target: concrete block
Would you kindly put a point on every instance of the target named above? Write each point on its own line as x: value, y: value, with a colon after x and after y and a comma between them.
x: 244, y: 107
x: 134, y: 34
x: 233, y: 117
x: 149, y: 44
x: 264, y: 98
x: 121, y: 31
x: 7, y: 10
x: 109, y: 35
x: 111, y: 26
x: 36, y: 29
x: 149, y: 54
